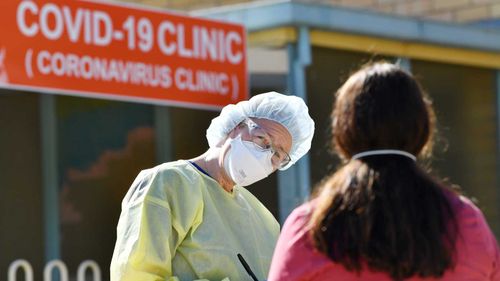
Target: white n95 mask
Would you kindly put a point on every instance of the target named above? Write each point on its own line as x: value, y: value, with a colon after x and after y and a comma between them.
x: 245, y: 163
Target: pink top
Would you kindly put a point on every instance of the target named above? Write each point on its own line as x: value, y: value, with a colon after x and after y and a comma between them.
x: 295, y: 259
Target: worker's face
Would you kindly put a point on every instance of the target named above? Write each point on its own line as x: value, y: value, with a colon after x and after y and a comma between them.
x: 266, y: 134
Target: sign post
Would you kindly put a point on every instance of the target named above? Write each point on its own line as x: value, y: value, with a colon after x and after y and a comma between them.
x: 117, y: 51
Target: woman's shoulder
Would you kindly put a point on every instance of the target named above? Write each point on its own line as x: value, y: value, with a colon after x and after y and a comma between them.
x: 304, y: 210
x: 463, y: 207
x: 297, y: 223
x: 478, y: 251
x: 471, y: 222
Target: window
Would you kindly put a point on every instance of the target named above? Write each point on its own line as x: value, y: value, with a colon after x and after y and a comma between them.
x: 21, y: 193
x: 102, y: 147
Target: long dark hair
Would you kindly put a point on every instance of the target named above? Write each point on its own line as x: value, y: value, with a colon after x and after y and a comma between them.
x: 384, y: 212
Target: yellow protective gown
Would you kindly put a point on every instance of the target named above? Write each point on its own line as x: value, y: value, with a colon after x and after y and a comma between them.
x: 179, y: 224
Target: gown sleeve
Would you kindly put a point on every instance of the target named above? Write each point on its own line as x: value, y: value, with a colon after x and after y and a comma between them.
x: 157, y: 213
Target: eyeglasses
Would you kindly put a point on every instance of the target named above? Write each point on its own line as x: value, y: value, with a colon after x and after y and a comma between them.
x: 263, y: 142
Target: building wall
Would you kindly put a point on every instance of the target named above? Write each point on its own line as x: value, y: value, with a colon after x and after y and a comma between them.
x: 442, y: 10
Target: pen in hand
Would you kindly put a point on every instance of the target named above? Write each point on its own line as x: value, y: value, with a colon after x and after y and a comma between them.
x: 247, y: 267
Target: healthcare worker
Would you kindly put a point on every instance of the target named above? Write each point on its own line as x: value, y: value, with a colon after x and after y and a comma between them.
x: 188, y: 219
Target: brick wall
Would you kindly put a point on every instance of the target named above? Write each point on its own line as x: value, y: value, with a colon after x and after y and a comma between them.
x: 445, y: 10
x: 442, y: 10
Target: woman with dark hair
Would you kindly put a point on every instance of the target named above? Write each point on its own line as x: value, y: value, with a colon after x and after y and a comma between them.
x: 381, y: 216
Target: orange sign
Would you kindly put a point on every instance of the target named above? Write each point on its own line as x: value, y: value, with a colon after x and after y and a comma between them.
x: 107, y: 50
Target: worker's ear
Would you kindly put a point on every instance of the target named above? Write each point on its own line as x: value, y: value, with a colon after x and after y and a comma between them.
x: 222, y: 142
x: 232, y: 134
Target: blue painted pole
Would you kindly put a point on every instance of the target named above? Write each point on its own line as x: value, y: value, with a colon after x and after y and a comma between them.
x: 497, y: 90
x: 294, y: 183
x: 48, y: 124
x: 163, y: 132
x: 404, y: 63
